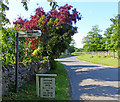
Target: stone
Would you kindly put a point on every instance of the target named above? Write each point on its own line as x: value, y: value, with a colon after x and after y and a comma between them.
x: 25, y: 73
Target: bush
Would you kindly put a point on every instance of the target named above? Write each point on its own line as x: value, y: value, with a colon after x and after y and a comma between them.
x: 91, y: 56
x: 99, y: 56
x: 43, y: 67
x: 52, y: 64
x: 105, y: 56
x: 118, y: 53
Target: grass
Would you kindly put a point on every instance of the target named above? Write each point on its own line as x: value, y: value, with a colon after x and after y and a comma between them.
x: 77, y: 53
x: 28, y: 90
x: 99, y: 59
x: 62, y: 56
x: 72, y: 54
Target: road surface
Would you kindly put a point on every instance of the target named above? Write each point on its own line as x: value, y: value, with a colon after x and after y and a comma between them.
x: 90, y: 81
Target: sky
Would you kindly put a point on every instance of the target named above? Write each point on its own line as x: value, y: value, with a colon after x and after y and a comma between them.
x: 94, y: 12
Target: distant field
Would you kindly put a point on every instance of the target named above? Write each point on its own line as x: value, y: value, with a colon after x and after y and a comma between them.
x: 99, y: 59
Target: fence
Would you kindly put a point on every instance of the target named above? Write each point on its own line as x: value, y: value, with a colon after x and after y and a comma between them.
x: 105, y: 53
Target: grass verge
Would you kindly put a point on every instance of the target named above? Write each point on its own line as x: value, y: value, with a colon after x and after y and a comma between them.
x: 62, y: 56
x: 99, y: 59
x: 72, y: 54
x: 28, y: 90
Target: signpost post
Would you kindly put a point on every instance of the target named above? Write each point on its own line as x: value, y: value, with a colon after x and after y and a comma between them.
x: 32, y: 33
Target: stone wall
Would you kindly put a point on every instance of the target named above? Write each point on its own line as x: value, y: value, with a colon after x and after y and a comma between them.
x: 25, y: 73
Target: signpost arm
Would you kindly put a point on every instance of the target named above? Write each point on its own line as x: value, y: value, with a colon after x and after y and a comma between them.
x: 16, y: 71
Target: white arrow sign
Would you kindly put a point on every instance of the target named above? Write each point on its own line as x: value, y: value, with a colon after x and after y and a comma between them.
x: 31, y: 33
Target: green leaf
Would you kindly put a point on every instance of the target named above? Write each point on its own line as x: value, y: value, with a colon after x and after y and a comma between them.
x: 50, y: 3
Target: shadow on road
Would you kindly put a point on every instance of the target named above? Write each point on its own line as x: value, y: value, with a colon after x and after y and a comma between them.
x: 91, y: 81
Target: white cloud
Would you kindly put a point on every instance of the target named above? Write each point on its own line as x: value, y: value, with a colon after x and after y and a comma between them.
x: 78, y: 39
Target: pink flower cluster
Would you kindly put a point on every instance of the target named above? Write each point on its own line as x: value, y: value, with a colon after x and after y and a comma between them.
x: 63, y: 15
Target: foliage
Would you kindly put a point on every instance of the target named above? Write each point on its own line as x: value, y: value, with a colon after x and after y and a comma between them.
x: 53, y: 4
x: 111, y: 41
x: 93, y: 41
x: 71, y: 49
x: 8, y: 48
x: 56, y: 27
x: 79, y: 50
x: 3, y: 8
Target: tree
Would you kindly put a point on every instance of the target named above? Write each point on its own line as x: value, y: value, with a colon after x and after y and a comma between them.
x: 108, y: 34
x: 71, y: 49
x: 4, y: 7
x: 53, y: 4
x: 56, y: 27
x: 93, y: 41
x: 112, y: 35
x: 115, y: 39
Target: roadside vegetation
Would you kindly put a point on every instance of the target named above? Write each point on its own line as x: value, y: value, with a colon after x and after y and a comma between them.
x: 72, y: 51
x: 56, y: 28
x: 62, y: 56
x: 96, y: 57
x: 28, y: 90
x: 95, y: 42
x: 104, y: 60
x: 72, y: 54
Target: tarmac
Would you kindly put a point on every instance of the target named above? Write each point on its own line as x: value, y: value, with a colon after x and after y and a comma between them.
x: 90, y: 81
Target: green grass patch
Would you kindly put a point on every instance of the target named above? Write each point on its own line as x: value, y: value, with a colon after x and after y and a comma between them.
x: 78, y: 53
x: 62, y: 56
x: 28, y: 90
x: 104, y: 60
x: 72, y: 54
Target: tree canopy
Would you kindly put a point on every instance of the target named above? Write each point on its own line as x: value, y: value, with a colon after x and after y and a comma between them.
x: 56, y: 27
x: 95, y: 41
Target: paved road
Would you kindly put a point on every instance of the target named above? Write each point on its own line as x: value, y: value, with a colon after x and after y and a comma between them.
x: 91, y: 81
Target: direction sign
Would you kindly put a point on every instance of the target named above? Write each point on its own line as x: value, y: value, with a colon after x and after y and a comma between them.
x: 31, y: 33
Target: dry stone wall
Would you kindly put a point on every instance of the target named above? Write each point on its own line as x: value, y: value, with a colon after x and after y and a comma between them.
x: 25, y: 73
